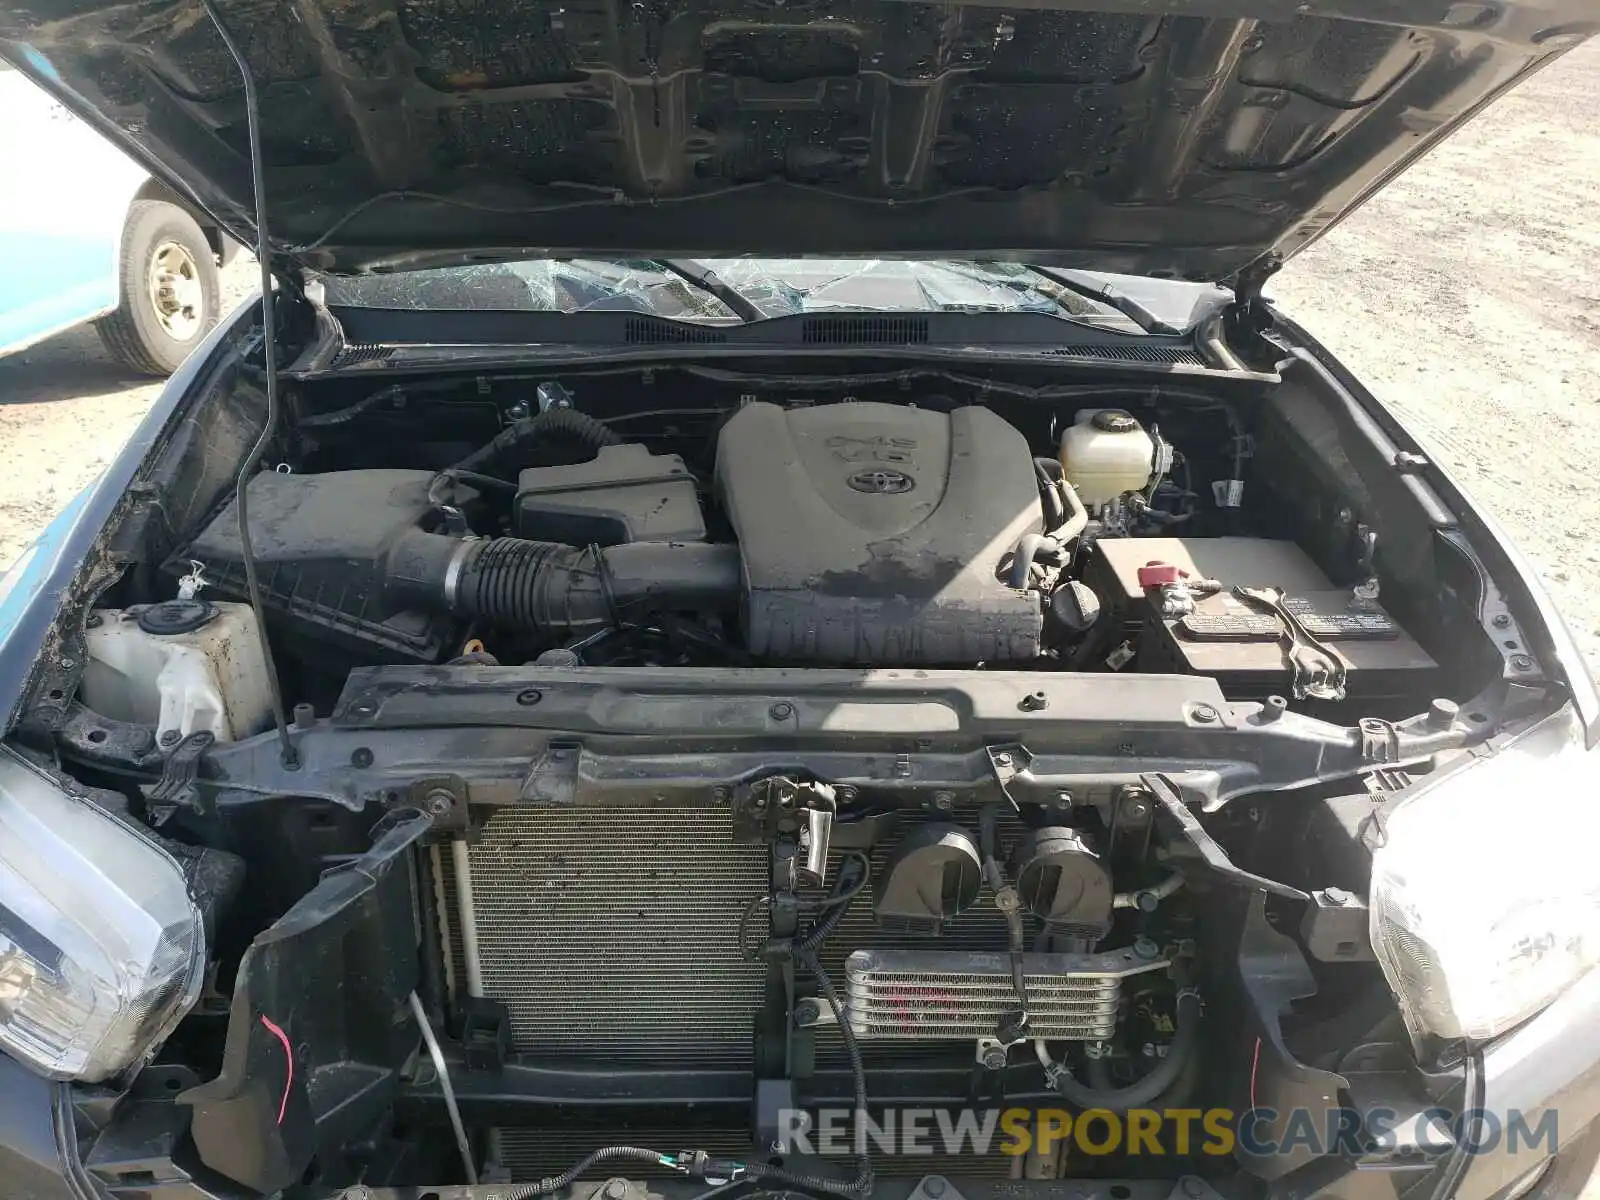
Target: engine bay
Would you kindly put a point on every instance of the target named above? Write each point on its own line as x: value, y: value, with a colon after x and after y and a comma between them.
x: 689, y: 755
x: 924, y: 532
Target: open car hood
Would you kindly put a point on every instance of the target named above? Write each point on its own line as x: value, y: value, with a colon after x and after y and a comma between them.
x: 1197, y: 141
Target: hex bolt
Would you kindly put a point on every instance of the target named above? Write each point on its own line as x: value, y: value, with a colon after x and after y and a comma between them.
x: 93, y: 621
x: 1002, y: 760
x: 994, y: 1058
x: 1521, y: 662
x: 720, y: 795
x: 1502, y: 620
x: 1145, y: 948
x: 1204, y: 714
x: 1064, y: 798
x: 616, y: 1189
x: 944, y: 801
x: 440, y: 801
x: 806, y: 1012
x: 781, y: 711
x: 171, y: 737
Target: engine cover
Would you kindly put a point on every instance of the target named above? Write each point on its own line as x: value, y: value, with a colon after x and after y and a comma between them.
x: 874, y: 533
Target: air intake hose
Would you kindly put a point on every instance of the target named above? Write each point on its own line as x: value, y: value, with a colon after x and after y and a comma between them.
x: 556, y: 425
x: 550, y: 587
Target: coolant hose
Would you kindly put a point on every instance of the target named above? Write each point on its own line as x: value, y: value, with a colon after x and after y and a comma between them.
x: 550, y: 587
x: 1029, y: 545
x: 555, y: 425
x: 1146, y: 1090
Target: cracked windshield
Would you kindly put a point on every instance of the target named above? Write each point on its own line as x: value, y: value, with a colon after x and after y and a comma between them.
x: 729, y: 291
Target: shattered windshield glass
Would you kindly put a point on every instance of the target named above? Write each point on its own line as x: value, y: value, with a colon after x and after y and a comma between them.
x: 752, y: 289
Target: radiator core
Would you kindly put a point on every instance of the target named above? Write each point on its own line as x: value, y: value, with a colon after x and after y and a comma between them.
x: 611, y: 933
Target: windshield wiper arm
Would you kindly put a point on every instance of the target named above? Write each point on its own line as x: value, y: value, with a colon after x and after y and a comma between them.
x: 1108, y: 295
x: 707, y: 280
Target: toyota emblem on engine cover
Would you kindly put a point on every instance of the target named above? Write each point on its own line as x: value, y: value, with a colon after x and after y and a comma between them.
x: 882, y: 483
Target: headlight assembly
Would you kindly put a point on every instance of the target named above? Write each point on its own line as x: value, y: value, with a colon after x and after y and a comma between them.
x: 1485, y: 898
x: 101, y: 947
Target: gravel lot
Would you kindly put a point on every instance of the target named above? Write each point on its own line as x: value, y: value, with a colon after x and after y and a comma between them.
x: 1465, y: 295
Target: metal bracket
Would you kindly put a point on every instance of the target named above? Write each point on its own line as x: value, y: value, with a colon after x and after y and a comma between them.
x: 553, y: 778
x: 1211, y: 854
x: 1006, y: 763
x: 781, y: 804
x: 1496, y: 619
x: 176, y: 787
x: 551, y: 394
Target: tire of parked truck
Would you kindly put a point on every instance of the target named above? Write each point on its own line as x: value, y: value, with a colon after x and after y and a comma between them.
x: 169, y: 296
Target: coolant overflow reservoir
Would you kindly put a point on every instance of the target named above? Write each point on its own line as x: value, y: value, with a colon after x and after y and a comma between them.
x: 1105, y: 454
x: 184, y: 665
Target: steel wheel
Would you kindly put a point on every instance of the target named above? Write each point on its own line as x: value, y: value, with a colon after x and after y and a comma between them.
x: 176, y: 294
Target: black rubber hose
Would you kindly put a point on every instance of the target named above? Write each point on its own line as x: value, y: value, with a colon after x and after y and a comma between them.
x: 1028, y: 547
x: 1147, y: 1089
x: 557, y: 425
x: 1049, y: 493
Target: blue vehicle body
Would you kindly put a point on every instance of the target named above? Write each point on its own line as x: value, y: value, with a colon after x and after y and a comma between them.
x: 62, y: 210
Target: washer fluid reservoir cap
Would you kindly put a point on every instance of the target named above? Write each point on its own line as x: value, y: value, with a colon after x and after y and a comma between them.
x: 172, y: 617
x: 1114, y: 420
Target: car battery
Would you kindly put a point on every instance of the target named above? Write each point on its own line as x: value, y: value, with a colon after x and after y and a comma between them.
x: 1237, y: 643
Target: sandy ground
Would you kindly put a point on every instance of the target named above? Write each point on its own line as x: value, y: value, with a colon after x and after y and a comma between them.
x: 1465, y: 295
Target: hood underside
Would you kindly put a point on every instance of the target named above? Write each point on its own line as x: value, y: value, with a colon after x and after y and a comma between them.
x: 399, y: 133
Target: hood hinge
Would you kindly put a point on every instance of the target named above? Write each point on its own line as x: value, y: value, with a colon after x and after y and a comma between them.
x: 1247, y: 285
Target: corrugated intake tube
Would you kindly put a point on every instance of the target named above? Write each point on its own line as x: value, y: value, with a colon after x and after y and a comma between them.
x: 550, y: 587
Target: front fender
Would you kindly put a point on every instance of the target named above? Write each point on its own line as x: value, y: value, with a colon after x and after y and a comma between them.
x: 45, y: 577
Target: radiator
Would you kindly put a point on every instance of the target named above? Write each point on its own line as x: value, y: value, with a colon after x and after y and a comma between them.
x: 610, y: 934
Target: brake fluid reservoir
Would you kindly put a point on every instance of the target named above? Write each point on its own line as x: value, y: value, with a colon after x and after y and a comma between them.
x: 183, y: 665
x: 1105, y: 454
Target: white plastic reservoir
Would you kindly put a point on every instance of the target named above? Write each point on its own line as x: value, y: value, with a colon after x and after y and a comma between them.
x: 1106, y: 454
x: 185, y: 665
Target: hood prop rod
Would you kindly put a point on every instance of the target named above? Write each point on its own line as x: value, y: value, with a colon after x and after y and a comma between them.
x: 287, y: 753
